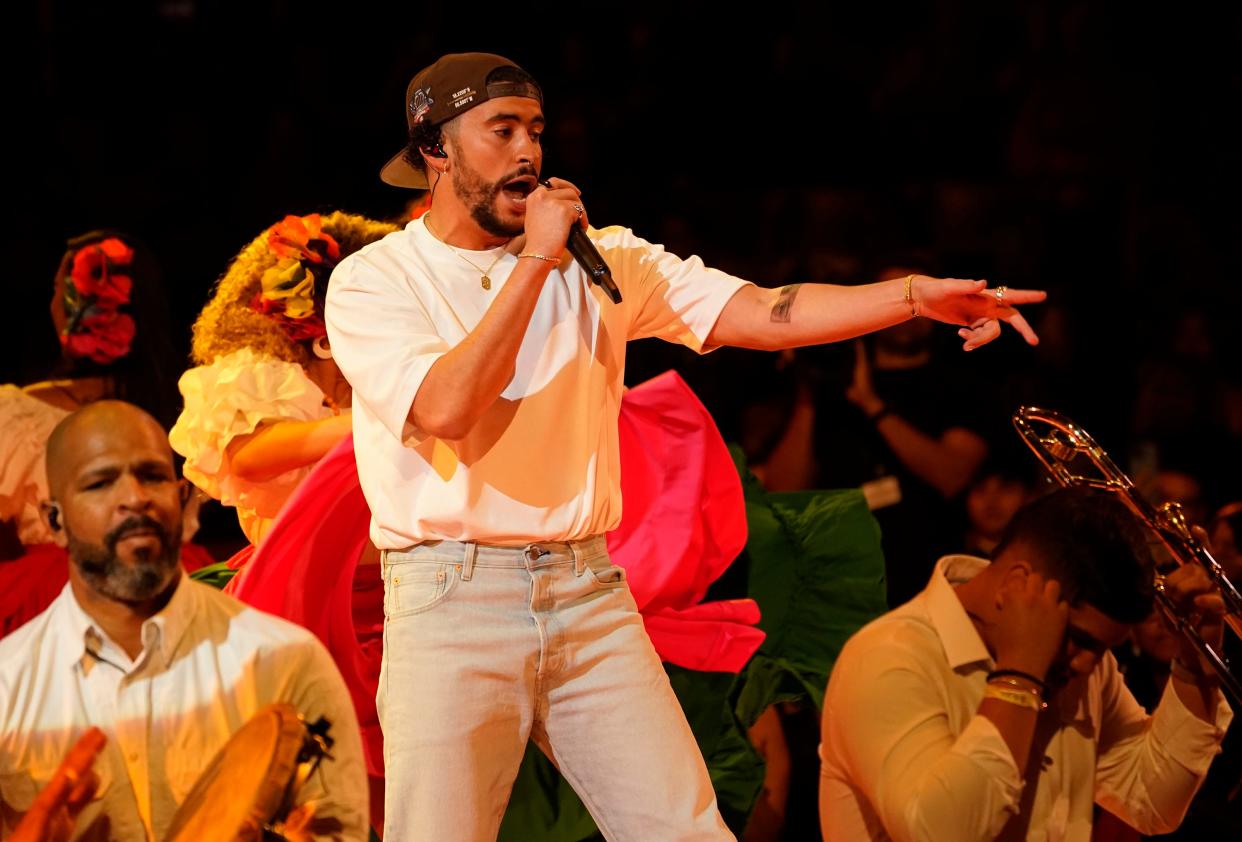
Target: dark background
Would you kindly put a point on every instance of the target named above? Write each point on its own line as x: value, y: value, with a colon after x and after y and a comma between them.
x: 1085, y: 148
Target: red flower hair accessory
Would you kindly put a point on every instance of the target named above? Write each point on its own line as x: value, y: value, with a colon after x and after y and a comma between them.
x: 288, y: 294
x: 97, y: 287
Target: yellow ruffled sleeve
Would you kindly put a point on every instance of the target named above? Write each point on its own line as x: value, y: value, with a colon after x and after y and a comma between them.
x: 231, y: 397
x: 27, y: 422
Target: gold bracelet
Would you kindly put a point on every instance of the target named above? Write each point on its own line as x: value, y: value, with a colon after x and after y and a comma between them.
x: 1025, y: 697
x: 542, y: 257
x: 909, y: 295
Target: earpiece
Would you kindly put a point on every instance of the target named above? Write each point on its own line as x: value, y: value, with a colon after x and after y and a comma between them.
x: 321, y: 349
x: 436, y: 151
x: 53, y: 516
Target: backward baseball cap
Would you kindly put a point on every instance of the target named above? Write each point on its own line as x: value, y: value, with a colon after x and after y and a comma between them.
x: 453, y: 85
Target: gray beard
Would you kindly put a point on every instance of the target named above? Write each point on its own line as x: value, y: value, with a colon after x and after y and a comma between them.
x: 106, y: 574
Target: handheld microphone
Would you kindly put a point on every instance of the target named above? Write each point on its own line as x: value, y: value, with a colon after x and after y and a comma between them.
x: 588, y: 257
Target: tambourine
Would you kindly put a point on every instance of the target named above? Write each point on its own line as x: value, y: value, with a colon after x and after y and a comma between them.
x: 250, y: 783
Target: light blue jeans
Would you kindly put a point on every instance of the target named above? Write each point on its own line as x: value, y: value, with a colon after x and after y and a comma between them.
x: 487, y: 647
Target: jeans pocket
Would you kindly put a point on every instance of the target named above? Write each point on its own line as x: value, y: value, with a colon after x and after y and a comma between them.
x: 414, y: 587
x: 605, y: 573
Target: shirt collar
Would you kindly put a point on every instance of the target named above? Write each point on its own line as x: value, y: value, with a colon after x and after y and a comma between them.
x: 163, y: 631
x: 961, y: 641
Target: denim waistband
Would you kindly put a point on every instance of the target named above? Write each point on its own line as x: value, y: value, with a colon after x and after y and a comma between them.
x: 530, y: 556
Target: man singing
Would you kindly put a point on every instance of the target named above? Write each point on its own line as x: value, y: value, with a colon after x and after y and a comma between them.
x: 487, y: 375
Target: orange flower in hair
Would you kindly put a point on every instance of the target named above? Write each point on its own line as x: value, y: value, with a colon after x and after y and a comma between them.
x: 291, y: 292
x: 302, y: 238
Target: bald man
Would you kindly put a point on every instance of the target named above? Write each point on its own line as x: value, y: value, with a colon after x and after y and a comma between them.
x: 166, y: 667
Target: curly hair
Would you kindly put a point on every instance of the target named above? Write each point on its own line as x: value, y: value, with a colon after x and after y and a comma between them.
x: 228, y: 323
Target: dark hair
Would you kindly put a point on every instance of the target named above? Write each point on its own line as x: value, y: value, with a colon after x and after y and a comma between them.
x: 146, y: 375
x: 1090, y: 542
x: 424, y: 135
x: 1009, y: 462
x: 1230, y: 514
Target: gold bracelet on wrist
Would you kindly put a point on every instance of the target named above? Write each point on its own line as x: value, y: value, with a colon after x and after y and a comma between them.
x: 545, y: 258
x: 909, y: 295
x: 1015, y: 693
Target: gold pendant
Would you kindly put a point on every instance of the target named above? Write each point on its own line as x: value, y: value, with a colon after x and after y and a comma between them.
x: 487, y: 282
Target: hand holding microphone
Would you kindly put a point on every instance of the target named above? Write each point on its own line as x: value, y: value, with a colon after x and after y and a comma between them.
x: 584, y: 251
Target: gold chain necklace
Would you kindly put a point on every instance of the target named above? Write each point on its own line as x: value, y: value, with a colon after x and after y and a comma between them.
x: 484, y: 274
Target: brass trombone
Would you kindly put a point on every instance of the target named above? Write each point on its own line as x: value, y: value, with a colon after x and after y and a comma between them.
x: 1073, y: 458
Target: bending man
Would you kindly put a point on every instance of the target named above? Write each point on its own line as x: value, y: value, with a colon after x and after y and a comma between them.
x: 989, y: 706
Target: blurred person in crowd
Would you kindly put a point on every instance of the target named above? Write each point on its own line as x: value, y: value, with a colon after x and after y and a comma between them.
x: 1225, y: 533
x: 998, y: 490
x: 910, y: 432
x: 1186, y: 403
x: 1177, y: 471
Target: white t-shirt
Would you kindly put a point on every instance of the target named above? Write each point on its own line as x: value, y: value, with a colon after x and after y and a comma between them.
x: 543, y: 463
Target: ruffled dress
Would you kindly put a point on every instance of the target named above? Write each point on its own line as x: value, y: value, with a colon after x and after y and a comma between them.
x: 231, y: 397
x: 28, y: 584
x: 27, y: 422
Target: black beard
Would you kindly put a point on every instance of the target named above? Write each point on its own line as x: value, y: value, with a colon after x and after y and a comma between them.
x: 108, y: 575
x: 480, y: 197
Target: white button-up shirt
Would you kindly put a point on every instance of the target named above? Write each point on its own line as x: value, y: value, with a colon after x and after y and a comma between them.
x: 207, y: 665
x: 906, y: 755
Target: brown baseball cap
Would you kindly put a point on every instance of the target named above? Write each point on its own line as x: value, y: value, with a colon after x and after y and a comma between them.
x: 453, y: 85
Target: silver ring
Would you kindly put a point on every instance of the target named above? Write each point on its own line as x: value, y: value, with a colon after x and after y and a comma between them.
x: 578, y: 208
x: 999, y: 292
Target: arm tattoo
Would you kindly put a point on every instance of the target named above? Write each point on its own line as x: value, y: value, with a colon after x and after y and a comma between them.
x: 783, y: 308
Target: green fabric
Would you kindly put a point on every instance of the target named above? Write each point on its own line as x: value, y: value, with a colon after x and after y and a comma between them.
x: 543, y: 806
x: 817, y: 572
x: 815, y: 567
x: 217, y: 575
